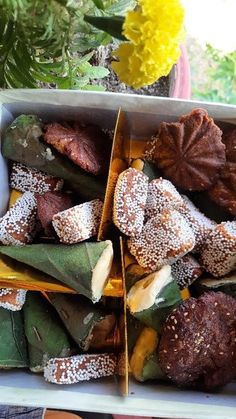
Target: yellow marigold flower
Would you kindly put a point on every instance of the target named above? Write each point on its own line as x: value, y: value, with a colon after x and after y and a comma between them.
x: 154, y: 32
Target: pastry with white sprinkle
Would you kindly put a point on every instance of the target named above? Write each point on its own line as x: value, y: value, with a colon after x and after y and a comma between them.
x: 186, y: 270
x: 218, y: 255
x: 162, y: 195
x: 78, y: 223
x: 12, y: 299
x: 18, y: 225
x: 25, y: 179
x: 198, y: 342
x: 129, y: 201
x: 200, y: 224
x: 80, y: 368
x: 164, y: 239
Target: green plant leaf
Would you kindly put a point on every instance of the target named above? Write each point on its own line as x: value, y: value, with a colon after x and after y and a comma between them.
x: 99, y: 4
x: 112, y: 25
x: 120, y: 7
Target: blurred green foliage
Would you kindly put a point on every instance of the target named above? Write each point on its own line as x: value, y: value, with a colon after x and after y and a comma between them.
x: 220, y: 85
x: 48, y: 42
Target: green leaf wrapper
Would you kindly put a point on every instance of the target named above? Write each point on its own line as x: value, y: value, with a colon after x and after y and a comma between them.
x: 85, y: 267
x: 152, y: 298
x: 22, y: 143
x: 79, y: 316
x: 45, y: 332
x: 144, y: 362
x: 133, y: 273
x: 13, y: 349
x: 225, y: 284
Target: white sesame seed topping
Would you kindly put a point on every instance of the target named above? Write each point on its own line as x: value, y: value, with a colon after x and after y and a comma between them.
x: 129, y: 201
x: 18, y: 225
x: 26, y: 179
x: 164, y: 238
x: 81, y: 368
x: 78, y: 223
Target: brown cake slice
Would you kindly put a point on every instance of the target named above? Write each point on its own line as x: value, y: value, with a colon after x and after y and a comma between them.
x: 80, y: 368
x: 18, y: 225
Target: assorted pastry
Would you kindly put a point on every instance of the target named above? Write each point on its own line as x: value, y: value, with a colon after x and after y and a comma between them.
x: 57, y: 175
x: 180, y: 263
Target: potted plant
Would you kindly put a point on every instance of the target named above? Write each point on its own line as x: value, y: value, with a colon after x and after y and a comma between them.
x: 64, y: 48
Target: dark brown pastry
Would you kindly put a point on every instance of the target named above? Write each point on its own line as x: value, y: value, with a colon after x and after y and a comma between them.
x: 198, y: 343
x: 224, y: 190
x: 190, y: 152
x: 50, y: 204
x: 86, y: 146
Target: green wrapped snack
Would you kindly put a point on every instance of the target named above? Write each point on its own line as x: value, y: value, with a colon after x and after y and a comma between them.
x: 84, y: 267
x: 45, y: 332
x: 152, y: 298
x: 226, y: 284
x: 133, y: 273
x: 13, y: 349
x: 81, y: 318
x: 22, y: 143
x: 144, y: 361
x: 147, y: 167
x: 134, y: 328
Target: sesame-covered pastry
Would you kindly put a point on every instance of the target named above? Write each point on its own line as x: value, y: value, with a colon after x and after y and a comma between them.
x: 78, y: 223
x: 198, y: 343
x: 26, y: 179
x: 200, y: 224
x: 80, y: 368
x: 162, y: 195
x: 190, y: 152
x: 12, y: 299
x: 50, y: 204
x: 129, y: 201
x: 218, y: 255
x: 186, y: 270
x: 18, y: 225
x: 164, y: 239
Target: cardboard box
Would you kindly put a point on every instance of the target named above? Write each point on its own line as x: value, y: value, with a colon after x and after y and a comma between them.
x: 143, y: 115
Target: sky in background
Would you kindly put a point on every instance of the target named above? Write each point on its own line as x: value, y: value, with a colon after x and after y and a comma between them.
x: 213, y: 22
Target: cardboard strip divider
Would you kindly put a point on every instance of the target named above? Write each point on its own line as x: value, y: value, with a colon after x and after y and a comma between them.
x: 123, y: 375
